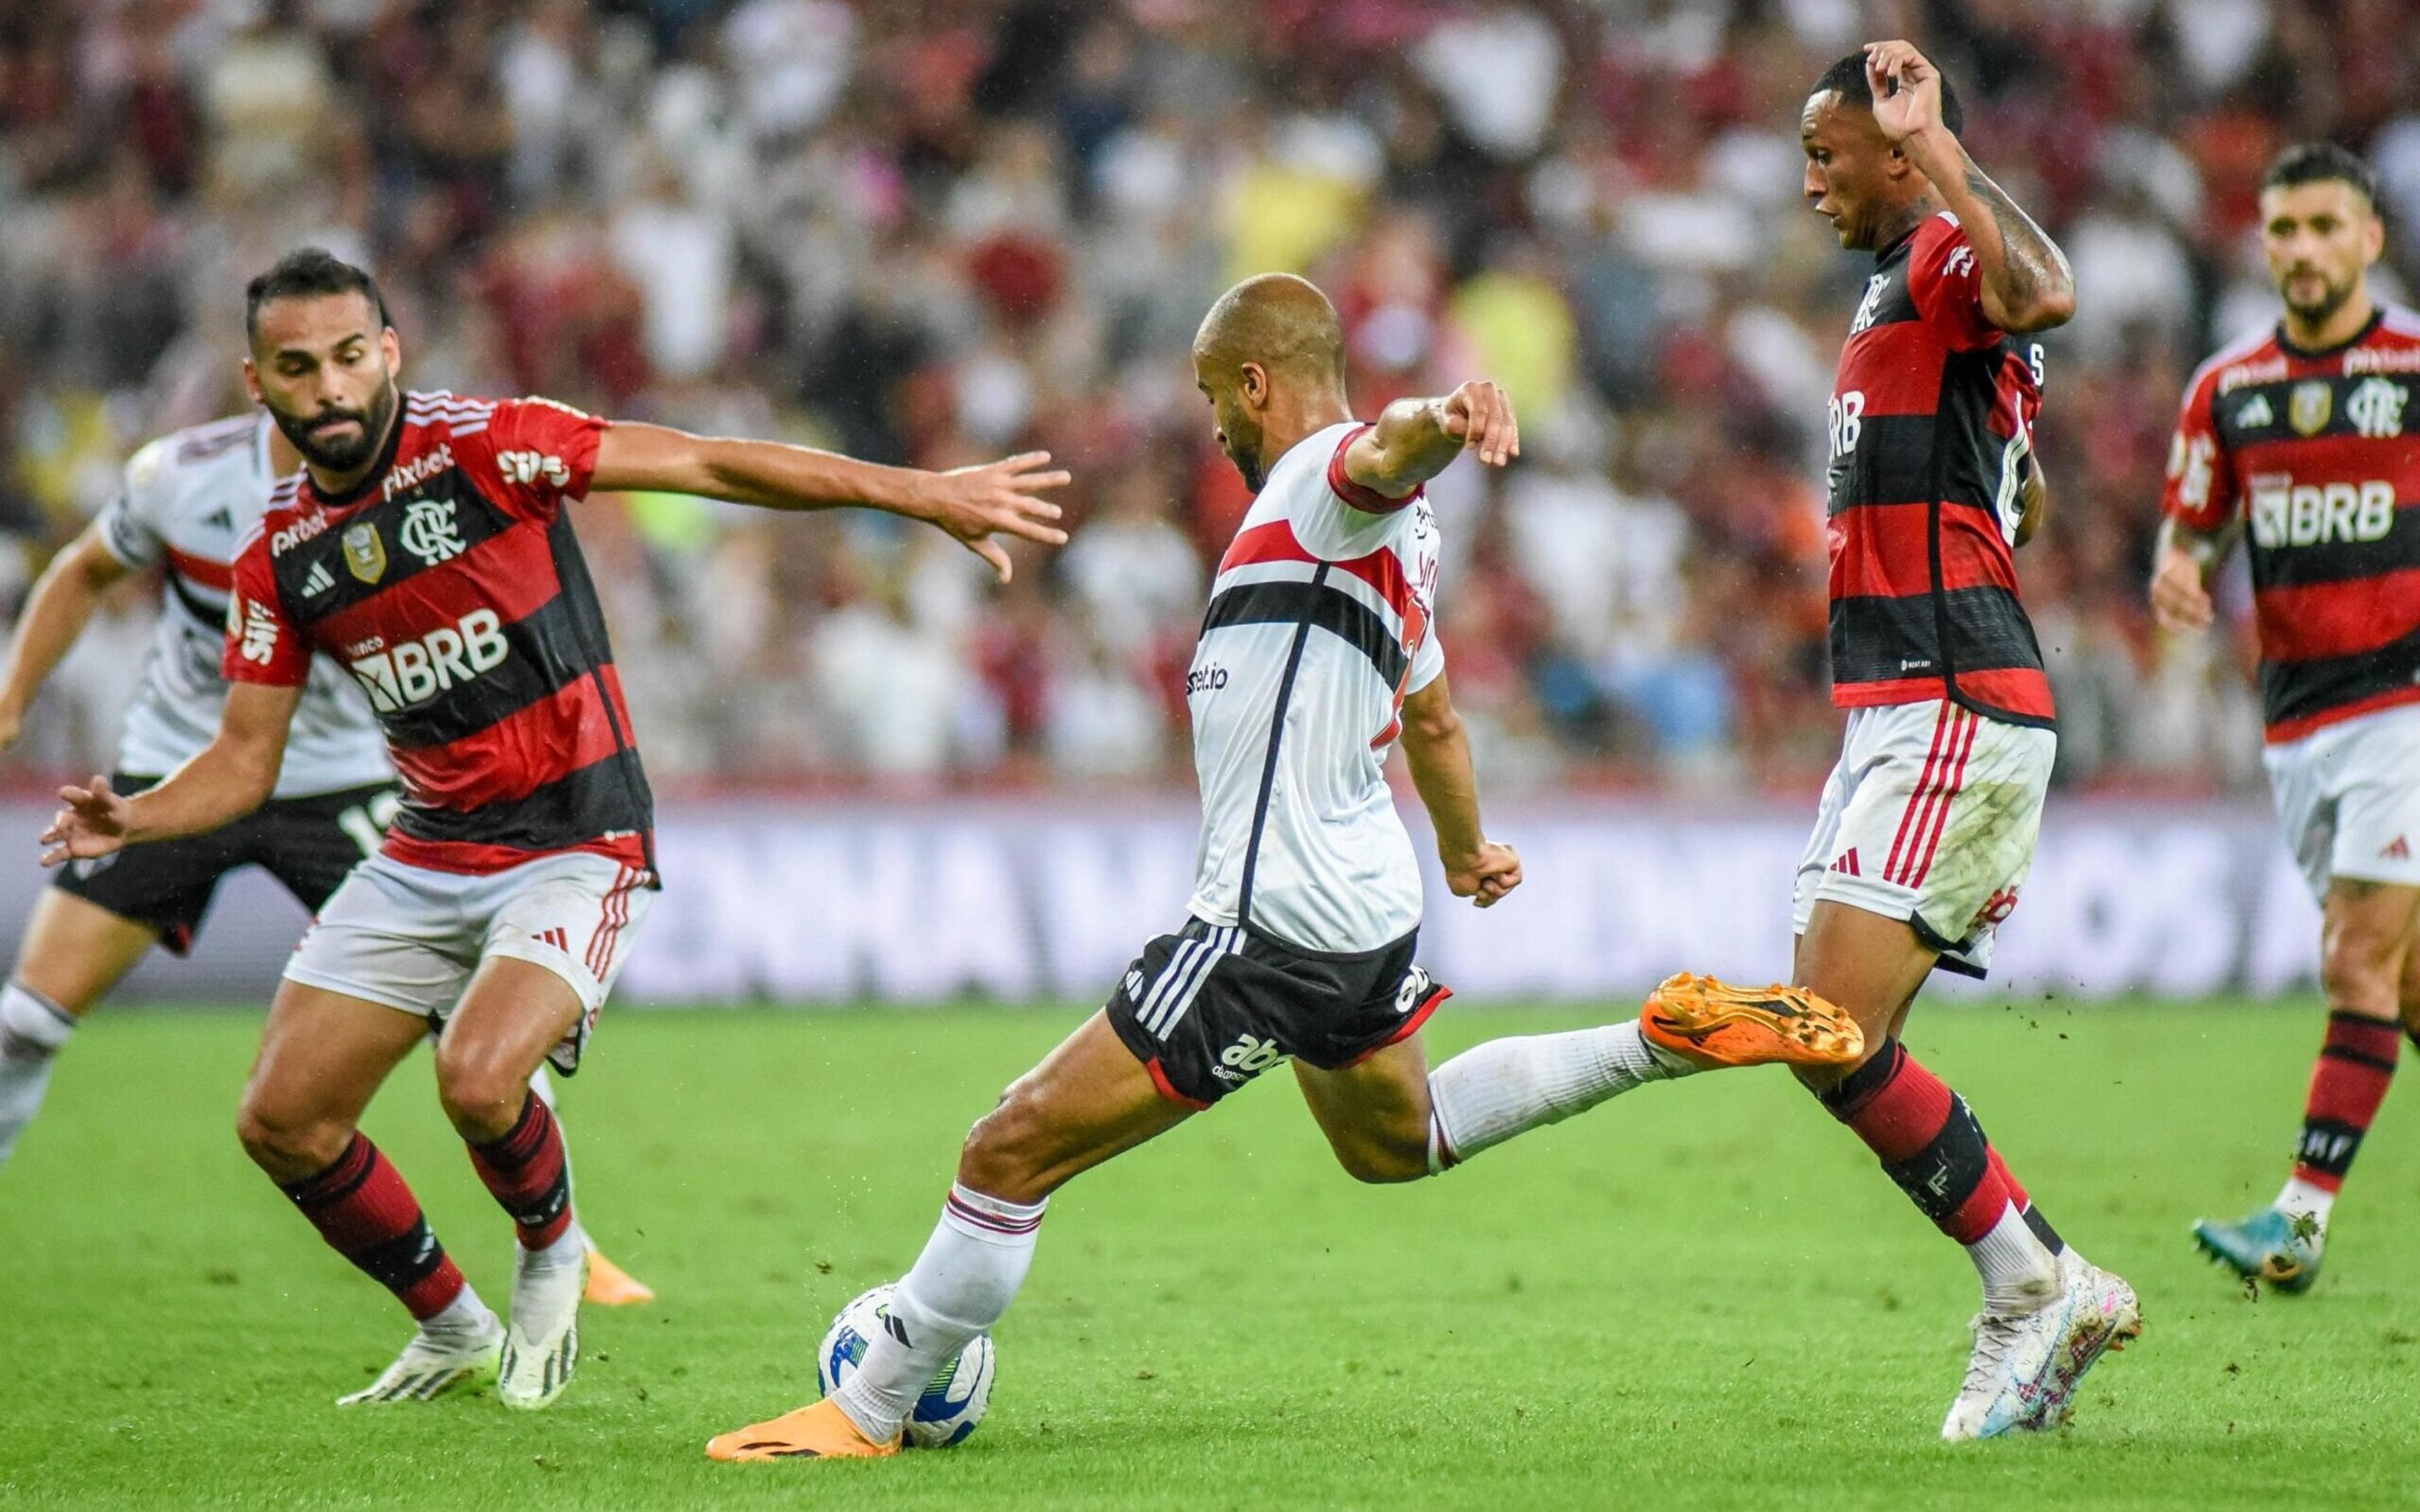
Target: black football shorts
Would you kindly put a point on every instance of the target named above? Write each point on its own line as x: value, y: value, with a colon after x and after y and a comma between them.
x: 1210, y: 1007
x: 306, y: 844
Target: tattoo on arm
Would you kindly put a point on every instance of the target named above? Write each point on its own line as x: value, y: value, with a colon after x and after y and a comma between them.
x: 2031, y: 264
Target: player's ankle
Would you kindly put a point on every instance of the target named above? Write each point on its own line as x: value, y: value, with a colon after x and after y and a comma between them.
x: 568, y: 1248
x: 465, y: 1317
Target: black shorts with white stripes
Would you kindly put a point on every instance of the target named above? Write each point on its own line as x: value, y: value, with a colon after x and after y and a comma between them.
x: 1210, y: 1007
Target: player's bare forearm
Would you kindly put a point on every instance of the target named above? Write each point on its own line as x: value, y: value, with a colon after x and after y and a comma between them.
x: 2207, y: 550
x: 971, y: 503
x: 1439, y: 753
x: 2027, y: 285
x: 56, y: 612
x: 1415, y: 439
x: 768, y: 474
x: 227, y: 779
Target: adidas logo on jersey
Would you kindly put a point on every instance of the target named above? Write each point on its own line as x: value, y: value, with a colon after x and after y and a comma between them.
x: 219, y: 519
x: 2255, y: 413
x: 2397, y: 849
x: 318, y: 580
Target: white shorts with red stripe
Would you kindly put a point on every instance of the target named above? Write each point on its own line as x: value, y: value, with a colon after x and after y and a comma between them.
x: 407, y: 938
x: 1931, y: 817
x: 2349, y: 797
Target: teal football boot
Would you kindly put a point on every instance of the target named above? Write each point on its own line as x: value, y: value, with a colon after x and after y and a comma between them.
x: 2273, y: 1245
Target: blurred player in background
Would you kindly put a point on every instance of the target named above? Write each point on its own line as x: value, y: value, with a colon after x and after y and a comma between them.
x: 1317, y: 654
x: 425, y: 546
x: 1928, y: 824
x: 2300, y: 431
x: 186, y: 499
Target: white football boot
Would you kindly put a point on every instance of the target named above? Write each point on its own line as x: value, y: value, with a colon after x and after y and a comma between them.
x: 435, y: 1363
x: 542, y: 1345
x: 2025, y: 1366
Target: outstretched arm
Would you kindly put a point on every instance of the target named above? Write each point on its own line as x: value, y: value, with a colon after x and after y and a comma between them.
x: 2027, y: 285
x: 971, y: 503
x: 2181, y: 565
x: 1439, y: 756
x: 227, y: 779
x: 1414, y: 439
x: 55, y: 614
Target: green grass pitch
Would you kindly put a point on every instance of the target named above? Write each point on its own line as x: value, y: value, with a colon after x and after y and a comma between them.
x: 1700, y: 1295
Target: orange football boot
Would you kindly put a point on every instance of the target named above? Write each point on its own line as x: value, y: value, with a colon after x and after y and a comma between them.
x: 819, y: 1430
x: 1714, y: 1023
x: 610, y: 1286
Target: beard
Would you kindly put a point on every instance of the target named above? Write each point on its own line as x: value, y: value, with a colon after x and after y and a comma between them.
x: 1245, y: 452
x: 334, y: 456
x: 2333, y: 297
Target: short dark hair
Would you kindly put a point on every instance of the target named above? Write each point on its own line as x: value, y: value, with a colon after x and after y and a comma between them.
x: 2321, y: 163
x: 1848, y: 77
x: 306, y: 272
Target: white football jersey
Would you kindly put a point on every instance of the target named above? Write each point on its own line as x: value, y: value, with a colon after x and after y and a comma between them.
x: 186, y: 500
x: 1318, y: 627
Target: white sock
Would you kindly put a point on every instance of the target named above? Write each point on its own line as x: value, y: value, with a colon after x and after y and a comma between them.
x: 569, y: 1248
x: 2020, y: 1274
x: 2313, y: 1202
x: 968, y: 1274
x: 465, y: 1317
x: 1493, y: 1091
x: 542, y: 1084
x: 32, y: 1028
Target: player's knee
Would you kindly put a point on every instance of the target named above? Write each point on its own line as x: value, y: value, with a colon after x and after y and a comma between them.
x: 1384, y: 1161
x: 287, y: 1143
x: 481, y: 1092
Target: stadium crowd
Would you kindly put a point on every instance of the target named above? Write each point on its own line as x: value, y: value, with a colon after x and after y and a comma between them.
x: 940, y: 230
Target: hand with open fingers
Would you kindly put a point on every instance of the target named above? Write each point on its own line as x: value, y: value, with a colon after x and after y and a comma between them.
x: 2178, y: 600
x: 1480, y: 415
x: 1907, y: 89
x: 93, y: 823
x: 1002, y: 498
x: 1485, y: 876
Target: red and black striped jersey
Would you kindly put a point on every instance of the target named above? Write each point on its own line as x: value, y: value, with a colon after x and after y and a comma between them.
x: 452, y: 587
x: 1932, y: 437
x: 2312, y: 451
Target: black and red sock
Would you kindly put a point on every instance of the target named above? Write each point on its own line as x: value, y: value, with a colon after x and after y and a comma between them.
x: 364, y: 1210
x: 528, y: 1173
x: 1931, y: 1145
x: 2356, y: 1065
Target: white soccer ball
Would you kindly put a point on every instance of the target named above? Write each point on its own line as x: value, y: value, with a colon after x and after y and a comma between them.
x: 951, y: 1406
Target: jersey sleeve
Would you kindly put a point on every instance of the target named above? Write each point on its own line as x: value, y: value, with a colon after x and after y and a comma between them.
x: 129, y: 526
x: 1338, y: 521
x: 534, y: 453
x: 262, y: 645
x: 2199, y: 493
x: 1428, y: 662
x: 1946, y: 282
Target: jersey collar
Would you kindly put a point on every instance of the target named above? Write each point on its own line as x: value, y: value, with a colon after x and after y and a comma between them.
x: 2320, y: 354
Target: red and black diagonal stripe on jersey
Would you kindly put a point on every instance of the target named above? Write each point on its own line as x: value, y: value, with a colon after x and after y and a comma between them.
x: 1923, y: 583
x: 486, y: 662
x: 2318, y: 452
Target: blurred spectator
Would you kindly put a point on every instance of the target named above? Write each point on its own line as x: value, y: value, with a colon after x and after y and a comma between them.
x: 934, y: 233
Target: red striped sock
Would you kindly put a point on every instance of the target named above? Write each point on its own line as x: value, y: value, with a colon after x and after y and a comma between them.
x: 364, y: 1210
x: 527, y: 1172
x: 2356, y: 1065
x: 1928, y: 1142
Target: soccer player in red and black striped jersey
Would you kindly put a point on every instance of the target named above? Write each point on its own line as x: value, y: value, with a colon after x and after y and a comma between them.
x: 1928, y: 822
x: 425, y: 546
x: 2300, y: 433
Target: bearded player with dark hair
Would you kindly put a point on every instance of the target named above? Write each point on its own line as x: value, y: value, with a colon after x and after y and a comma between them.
x: 2299, y: 437
x: 425, y: 547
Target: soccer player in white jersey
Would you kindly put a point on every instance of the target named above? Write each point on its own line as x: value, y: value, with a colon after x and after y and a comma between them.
x: 184, y: 502
x: 1317, y: 655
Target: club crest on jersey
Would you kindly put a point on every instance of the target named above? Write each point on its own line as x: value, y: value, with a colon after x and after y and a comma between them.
x: 2376, y: 407
x: 1870, y: 309
x: 365, y: 551
x: 2308, y: 408
x: 430, y: 531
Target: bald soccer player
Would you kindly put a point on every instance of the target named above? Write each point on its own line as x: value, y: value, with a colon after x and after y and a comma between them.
x: 1317, y: 656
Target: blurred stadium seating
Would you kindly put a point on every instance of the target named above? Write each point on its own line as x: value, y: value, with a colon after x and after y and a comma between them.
x: 937, y: 231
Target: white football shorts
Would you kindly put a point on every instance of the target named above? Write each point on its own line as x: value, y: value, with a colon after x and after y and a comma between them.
x: 409, y: 937
x: 1930, y: 816
x: 2349, y: 798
